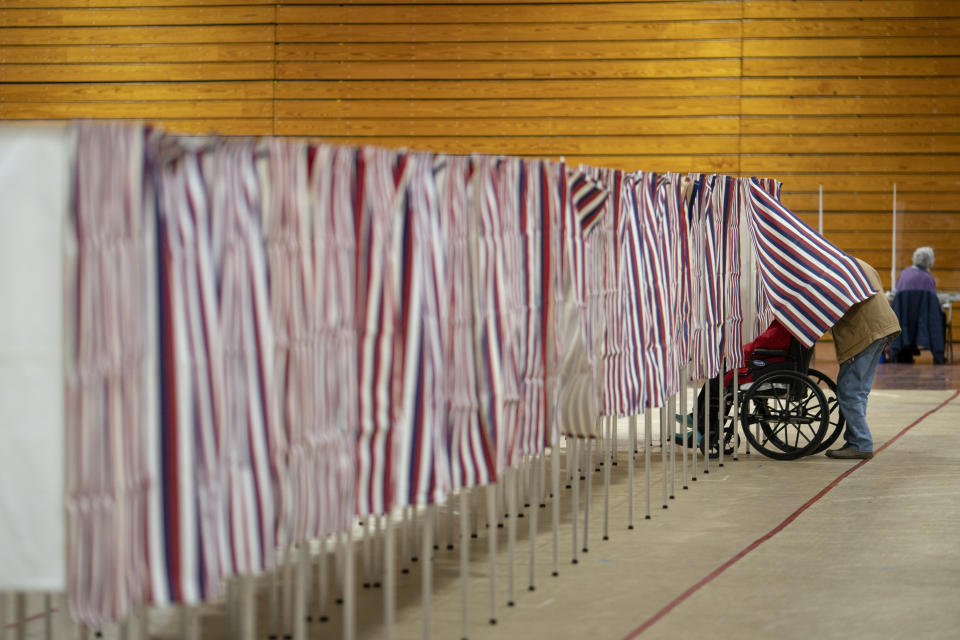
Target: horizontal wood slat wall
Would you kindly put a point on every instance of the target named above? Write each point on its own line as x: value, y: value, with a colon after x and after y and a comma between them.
x: 853, y: 95
x: 194, y: 66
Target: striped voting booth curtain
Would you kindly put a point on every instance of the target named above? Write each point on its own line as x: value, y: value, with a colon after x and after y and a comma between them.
x: 808, y: 282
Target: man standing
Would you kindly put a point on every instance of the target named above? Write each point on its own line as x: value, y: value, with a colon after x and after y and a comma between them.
x: 859, y: 338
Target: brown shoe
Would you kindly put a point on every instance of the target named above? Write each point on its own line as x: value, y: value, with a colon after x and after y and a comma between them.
x: 847, y: 452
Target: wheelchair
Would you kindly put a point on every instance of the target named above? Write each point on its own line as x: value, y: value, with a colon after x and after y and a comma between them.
x: 788, y: 411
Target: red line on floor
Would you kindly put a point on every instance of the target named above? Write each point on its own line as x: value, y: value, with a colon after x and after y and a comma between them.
x: 780, y: 527
x: 26, y: 621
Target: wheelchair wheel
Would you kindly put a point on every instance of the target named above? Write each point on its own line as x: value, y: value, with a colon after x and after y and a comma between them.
x: 835, y: 422
x: 784, y: 415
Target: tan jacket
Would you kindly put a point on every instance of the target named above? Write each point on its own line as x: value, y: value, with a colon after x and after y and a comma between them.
x: 865, y: 322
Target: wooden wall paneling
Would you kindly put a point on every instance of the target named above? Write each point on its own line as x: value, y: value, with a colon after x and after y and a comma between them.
x: 480, y: 12
x: 193, y: 66
x: 567, y: 89
x: 116, y: 15
x: 818, y: 9
x: 853, y: 95
x: 642, y: 84
x: 857, y: 96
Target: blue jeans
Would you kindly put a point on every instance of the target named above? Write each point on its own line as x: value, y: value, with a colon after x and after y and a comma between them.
x: 853, y: 387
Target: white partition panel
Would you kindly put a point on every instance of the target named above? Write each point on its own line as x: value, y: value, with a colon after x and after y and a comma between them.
x: 34, y: 170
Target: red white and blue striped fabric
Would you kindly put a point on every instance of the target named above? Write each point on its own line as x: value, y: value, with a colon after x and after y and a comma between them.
x: 471, y: 449
x: 499, y: 282
x: 189, y: 532
x: 734, y: 308
x: 611, y: 357
x: 422, y: 465
x: 655, y: 297
x: 592, y: 204
x: 809, y: 282
x: 763, y: 312
x: 585, y: 240
x: 535, y: 272
x: 107, y: 398
x: 626, y: 372
x: 401, y: 446
x: 554, y: 203
x: 696, y: 242
x: 587, y: 205
x: 674, y: 221
x: 333, y: 183
x: 249, y: 421
x: 376, y: 318
x: 310, y: 243
x: 633, y: 289
x: 726, y: 193
x: 216, y: 514
x: 712, y: 273
x: 677, y: 202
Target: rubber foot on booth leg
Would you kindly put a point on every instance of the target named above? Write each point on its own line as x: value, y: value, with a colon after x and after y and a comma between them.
x: 568, y: 486
x: 606, y: 537
x: 413, y: 559
x: 324, y: 618
x: 574, y: 561
x: 493, y: 621
x: 665, y: 507
x: 585, y: 550
x: 646, y: 517
x: 500, y: 526
x: 366, y: 585
x: 309, y: 618
x: 376, y: 585
x: 339, y: 601
x: 543, y: 505
x: 531, y: 588
x: 684, y: 487
x: 673, y: 497
x: 556, y: 573
x: 520, y: 515
x: 436, y: 547
x: 449, y: 547
x: 404, y: 571
x: 629, y: 527
x: 721, y: 464
x: 510, y: 603
x: 474, y: 536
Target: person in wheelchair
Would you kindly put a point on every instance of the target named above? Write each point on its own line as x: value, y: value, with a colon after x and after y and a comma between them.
x: 775, y: 338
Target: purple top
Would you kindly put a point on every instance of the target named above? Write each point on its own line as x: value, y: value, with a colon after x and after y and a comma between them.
x: 916, y: 278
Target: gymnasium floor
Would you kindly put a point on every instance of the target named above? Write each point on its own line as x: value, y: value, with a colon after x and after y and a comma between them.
x: 814, y: 548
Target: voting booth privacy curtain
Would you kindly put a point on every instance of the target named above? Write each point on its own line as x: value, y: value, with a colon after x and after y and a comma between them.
x: 222, y: 347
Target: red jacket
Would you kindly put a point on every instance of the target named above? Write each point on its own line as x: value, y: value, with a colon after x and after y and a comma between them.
x: 775, y: 337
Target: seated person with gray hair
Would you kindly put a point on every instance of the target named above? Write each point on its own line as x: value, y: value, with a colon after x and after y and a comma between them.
x: 921, y: 317
x: 917, y: 277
